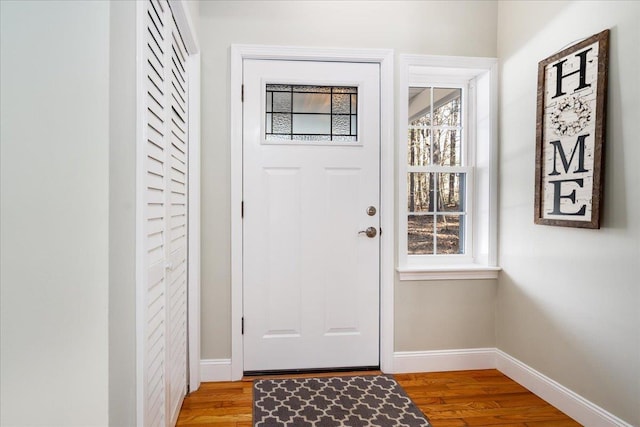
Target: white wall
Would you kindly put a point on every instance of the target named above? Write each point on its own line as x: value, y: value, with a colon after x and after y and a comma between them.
x: 466, y: 28
x: 122, y: 213
x: 54, y: 215
x: 569, y: 299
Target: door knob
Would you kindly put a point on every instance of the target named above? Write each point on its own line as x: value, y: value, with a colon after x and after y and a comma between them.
x: 370, y: 232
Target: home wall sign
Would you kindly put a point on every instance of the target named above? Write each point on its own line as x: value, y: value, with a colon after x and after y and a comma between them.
x: 570, y: 134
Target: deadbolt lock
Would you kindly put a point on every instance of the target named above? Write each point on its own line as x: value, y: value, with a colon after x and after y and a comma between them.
x: 371, y: 210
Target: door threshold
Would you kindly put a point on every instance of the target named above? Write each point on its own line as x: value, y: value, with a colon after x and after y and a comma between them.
x: 358, y: 370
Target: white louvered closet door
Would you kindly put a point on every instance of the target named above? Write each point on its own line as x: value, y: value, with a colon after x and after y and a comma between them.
x: 165, y: 217
x: 177, y: 222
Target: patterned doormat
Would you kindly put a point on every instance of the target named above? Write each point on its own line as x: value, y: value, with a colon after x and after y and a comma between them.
x: 335, y: 401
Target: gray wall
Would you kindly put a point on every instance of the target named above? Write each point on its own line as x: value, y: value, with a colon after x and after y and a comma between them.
x: 443, y: 315
x: 439, y: 28
x: 569, y: 299
x: 54, y: 215
x: 68, y: 199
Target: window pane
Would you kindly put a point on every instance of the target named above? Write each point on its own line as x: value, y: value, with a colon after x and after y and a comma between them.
x: 281, y: 123
x: 446, y: 147
x: 314, y: 138
x: 281, y: 102
x: 344, y: 138
x: 420, y: 192
x: 419, y: 150
x: 269, y: 102
x: 341, y: 125
x: 278, y: 88
x: 341, y: 104
x: 420, y: 234
x: 276, y: 137
x: 419, y: 106
x: 308, y: 88
x: 451, y: 192
x: 450, y: 233
x: 312, y: 103
x: 343, y: 89
x: 315, y: 124
x: 446, y: 107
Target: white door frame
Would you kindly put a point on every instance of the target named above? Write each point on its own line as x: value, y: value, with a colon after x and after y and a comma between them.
x: 384, y: 57
x: 188, y: 31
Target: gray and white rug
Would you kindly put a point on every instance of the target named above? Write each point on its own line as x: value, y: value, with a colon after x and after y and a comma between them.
x: 358, y: 401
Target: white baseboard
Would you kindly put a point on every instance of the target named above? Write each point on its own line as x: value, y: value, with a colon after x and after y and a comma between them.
x: 212, y: 370
x: 443, y: 360
x: 577, y: 407
x: 569, y: 402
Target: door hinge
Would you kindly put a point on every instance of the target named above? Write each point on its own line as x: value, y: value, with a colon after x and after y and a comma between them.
x: 242, y: 209
x: 242, y: 94
x: 242, y: 326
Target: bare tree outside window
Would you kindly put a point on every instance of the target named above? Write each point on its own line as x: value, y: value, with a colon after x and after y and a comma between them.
x: 435, y: 195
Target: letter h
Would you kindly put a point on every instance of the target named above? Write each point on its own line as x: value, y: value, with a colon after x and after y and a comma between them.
x: 582, y: 70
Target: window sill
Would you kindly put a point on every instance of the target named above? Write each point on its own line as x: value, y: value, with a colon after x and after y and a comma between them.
x: 449, y: 272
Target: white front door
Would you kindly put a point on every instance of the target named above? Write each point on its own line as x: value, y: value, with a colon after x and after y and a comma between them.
x: 311, y: 184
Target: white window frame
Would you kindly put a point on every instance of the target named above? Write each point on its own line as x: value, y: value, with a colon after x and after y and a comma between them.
x: 477, y: 77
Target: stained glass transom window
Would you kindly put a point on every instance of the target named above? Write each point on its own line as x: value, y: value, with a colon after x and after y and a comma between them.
x: 311, y: 113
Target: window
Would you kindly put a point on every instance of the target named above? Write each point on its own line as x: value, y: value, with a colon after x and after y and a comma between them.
x: 436, y: 172
x: 311, y: 113
x: 447, y: 203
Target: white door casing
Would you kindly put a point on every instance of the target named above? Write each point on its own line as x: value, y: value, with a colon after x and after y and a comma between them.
x: 383, y: 57
x: 311, y: 280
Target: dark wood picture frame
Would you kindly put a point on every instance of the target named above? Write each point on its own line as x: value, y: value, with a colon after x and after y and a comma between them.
x: 570, y: 134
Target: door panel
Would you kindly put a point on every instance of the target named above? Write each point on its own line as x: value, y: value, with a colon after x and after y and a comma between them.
x: 311, y: 280
x: 164, y: 190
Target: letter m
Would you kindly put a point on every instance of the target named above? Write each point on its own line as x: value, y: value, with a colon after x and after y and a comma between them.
x: 558, y: 151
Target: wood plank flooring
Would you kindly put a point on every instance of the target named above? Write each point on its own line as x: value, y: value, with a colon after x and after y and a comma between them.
x: 484, y: 398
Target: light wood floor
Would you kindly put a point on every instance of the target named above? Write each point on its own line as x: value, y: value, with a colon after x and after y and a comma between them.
x: 449, y: 399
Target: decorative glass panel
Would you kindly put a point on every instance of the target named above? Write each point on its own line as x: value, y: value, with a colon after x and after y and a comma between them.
x: 281, y: 102
x: 311, y: 124
x: 311, y: 113
x: 341, y: 103
x: 311, y: 103
x: 281, y: 123
x: 341, y: 125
